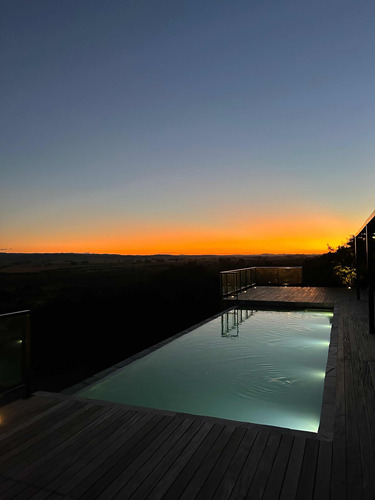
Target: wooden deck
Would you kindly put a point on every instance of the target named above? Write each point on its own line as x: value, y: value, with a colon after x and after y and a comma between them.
x: 297, y: 294
x: 55, y: 446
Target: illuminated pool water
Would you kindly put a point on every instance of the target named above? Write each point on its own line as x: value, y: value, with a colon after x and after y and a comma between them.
x: 265, y: 367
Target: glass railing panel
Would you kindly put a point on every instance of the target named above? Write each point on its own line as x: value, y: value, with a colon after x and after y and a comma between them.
x: 238, y: 280
x: 14, y: 351
x: 229, y: 283
x: 243, y: 279
x: 290, y: 276
x: 267, y: 276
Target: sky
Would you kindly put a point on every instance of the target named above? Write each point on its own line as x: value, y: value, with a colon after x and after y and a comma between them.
x: 185, y: 126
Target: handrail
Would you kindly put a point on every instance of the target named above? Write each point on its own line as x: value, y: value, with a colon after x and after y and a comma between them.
x: 16, y: 313
x: 15, y: 350
x: 260, y: 267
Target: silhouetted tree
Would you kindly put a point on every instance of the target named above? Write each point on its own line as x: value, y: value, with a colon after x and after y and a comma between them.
x: 334, y: 268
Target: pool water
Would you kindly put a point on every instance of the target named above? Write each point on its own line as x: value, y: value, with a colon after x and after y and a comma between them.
x: 265, y: 367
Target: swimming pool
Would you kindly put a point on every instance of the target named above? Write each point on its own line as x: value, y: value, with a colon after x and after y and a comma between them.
x: 249, y: 365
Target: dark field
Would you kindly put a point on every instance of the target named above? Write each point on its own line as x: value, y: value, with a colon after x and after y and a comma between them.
x: 92, y: 311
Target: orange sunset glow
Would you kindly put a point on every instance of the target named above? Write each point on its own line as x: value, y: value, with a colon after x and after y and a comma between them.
x: 277, y: 235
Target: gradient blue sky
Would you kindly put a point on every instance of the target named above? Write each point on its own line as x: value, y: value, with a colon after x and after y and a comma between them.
x: 186, y: 126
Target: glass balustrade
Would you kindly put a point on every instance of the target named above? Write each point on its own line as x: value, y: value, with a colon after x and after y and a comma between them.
x: 239, y: 280
x: 14, y: 353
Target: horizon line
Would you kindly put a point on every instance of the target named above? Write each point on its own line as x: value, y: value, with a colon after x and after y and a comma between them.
x: 162, y: 254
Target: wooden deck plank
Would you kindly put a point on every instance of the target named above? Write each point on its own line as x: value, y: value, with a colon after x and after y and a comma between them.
x: 133, y: 481
x: 34, y: 434
x: 163, y: 467
x: 365, y: 407
x: 259, y: 483
x: 339, y: 466
x: 77, y: 423
x: 15, y: 491
x: 6, y: 483
x: 70, y: 475
x: 364, y: 431
x: 346, y: 339
x: 248, y: 471
x: 369, y: 391
x: 49, y: 495
x: 227, y: 483
x: 93, y: 466
x: 221, y: 466
x: 26, y: 493
x: 45, y: 495
x: 33, y: 426
x: 354, y: 469
x: 338, y: 481
x: 129, y: 470
x: 200, y: 461
x: 293, y: 471
x: 306, y: 481
x: 193, y: 487
x: 54, y: 457
x: 65, y: 464
x: 371, y: 366
x: 204, y: 436
x: 25, y: 454
x: 277, y: 474
x: 323, y: 472
x: 123, y: 458
x: 22, y: 411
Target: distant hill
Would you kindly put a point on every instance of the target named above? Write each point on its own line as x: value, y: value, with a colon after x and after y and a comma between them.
x: 35, y: 262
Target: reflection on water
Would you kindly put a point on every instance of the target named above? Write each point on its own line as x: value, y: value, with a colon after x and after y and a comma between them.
x: 231, y: 320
